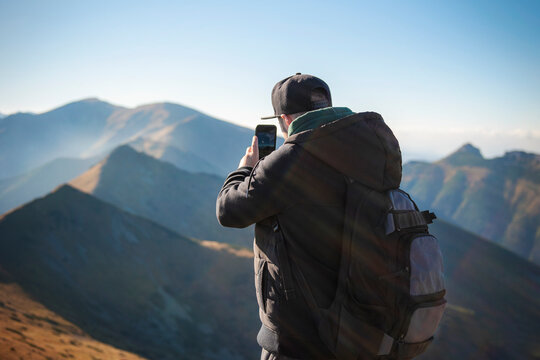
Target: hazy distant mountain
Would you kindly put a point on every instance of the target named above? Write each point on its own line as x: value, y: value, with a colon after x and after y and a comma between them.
x: 129, y: 282
x: 497, y: 198
x: 159, y: 191
x: 174, y: 128
x: 31, y: 331
x: 89, y: 127
x: 138, y: 286
x: 31, y: 140
x: 2, y: 116
x: 220, y: 144
x: 181, y: 159
x: 38, y: 182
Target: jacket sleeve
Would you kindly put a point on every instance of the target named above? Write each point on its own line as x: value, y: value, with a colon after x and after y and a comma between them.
x: 251, y: 195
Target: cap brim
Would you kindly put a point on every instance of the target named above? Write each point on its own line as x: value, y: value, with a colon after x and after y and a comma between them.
x: 270, y: 117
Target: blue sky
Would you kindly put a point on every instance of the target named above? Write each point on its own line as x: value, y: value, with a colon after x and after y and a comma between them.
x: 440, y: 73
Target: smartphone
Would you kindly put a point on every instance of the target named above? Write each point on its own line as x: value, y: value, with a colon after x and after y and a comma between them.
x: 266, y: 136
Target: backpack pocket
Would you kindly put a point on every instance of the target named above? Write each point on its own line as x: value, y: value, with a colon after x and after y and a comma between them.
x: 425, y: 299
x: 424, y: 320
x: 426, y: 266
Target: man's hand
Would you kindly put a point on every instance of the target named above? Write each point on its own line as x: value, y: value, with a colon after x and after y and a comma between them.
x: 252, y: 154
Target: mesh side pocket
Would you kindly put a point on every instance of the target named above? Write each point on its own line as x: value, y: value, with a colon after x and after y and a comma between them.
x: 427, y: 275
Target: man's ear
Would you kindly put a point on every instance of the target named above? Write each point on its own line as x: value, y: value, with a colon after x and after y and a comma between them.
x: 288, y: 119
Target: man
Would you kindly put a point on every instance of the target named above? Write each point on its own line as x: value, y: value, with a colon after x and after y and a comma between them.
x: 296, y: 197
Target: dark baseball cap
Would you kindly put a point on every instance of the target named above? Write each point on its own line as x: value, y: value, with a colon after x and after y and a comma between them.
x: 294, y: 94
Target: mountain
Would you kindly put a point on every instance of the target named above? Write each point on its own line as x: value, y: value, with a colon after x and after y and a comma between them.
x: 171, y: 154
x: 91, y: 127
x: 38, y: 182
x: 128, y: 282
x: 176, y: 128
x: 31, y: 331
x: 137, y: 286
x: 28, y: 141
x: 497, y: 198
x: 182, y: 201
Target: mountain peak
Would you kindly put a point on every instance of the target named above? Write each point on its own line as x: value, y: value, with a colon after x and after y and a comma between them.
x: 121, y: 151
x: 469, y: 148
x: 64, y: 189
x: 466, y: 155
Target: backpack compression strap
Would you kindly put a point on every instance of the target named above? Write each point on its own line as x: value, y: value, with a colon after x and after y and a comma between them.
x: 405, y: 219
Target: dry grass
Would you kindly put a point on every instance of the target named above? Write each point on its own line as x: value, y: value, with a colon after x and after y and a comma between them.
x: 30, y: 331
x: 214, y: 245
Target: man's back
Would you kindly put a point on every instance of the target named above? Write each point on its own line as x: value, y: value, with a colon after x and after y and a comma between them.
x: 296, y: 197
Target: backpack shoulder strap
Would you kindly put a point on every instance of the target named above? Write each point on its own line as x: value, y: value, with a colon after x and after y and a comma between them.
x: 351, y: 204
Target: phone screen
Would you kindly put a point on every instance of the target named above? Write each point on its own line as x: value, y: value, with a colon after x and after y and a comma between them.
x: 266, y: 136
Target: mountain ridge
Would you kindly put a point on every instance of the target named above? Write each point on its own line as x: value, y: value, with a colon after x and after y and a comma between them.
x: 128, y: 281
x: 498, y: 198
x: 91, y: 126
x: 157, y: 190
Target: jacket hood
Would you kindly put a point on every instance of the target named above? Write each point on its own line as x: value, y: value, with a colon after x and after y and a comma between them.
x: 360, y: 146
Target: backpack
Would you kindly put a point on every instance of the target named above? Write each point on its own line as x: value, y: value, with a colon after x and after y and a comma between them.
x: 390, y: 294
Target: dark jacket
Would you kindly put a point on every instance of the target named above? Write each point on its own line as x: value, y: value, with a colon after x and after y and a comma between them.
x: 296, y: 198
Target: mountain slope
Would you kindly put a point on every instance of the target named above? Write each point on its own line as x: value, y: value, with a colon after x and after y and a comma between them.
x: 31, y: 331
x: 496, y: 198
x: 493, y: 298
x: 159, y: 191
x: 181, y: 159
x: 129, y: 282
x: 38, y: 182
x: 138, y: 286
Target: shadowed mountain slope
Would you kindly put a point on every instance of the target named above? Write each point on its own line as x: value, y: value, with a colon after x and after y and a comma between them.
x: 159, y: 191
x: 129, y: 282
x: 38, y: 182
x: 497, y: 198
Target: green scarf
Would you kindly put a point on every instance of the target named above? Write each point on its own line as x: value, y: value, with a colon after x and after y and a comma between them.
x: 316, y: 118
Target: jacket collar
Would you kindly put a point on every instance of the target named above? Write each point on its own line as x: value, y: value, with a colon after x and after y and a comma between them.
x: 314, y: 119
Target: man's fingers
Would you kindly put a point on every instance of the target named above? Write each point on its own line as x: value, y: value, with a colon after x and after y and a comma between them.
x: 252, y: 154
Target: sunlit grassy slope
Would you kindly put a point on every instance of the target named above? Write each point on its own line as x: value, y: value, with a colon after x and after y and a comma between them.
x: 30, y: 331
